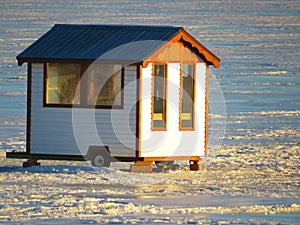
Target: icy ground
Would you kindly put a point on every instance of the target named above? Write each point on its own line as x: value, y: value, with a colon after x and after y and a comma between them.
x: 253, y: 179
x: 244, y: 183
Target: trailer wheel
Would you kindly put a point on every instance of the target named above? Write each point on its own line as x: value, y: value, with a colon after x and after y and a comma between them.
x: 100, y: 159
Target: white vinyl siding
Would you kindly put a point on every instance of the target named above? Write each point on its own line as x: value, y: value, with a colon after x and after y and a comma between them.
x: 66, y: 131
x: 173, y: 142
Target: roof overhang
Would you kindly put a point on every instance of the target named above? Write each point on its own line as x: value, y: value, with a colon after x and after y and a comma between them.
x: 79, y: 61
x: 85, y: 44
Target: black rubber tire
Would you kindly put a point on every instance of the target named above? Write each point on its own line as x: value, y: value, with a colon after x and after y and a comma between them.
x: 26, y: 164
x: 100, y: 159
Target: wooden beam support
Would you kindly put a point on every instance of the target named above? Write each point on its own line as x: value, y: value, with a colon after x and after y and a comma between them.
x: 196, y: 165
x: 141, y: 167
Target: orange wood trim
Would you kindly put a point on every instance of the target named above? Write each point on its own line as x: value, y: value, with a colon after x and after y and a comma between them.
x: 174, y: 53
x: 145, y: 64
x: 45, y: 84
x: 143, y: 163
x: 152, y: 96
x: 206, y: 113
x: 194, y: 96
x: 180, y: 98
x: 165, y: 100
x: 139, y: 111
x: 166, y: 95
x: 171, y: 158
x: 209, y: 56
x: 159, y: 129
x: 194, y: 100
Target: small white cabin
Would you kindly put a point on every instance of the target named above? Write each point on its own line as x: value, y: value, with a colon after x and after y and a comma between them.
x: 117, y: 92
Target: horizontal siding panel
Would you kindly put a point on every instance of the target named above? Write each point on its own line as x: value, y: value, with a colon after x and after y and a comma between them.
x: 130, y: 95
x: 130, y: 105
x: 52, y: 128
x: 116, y: 150
x: 121, y: 117
x: 130, y: 69
x: 38, y: 76
x: 55, y: 151
x: 37, y: 86
x: 38, y: 65
x: 62, y: 150
x: 38, y: 96
x: 81, y: 122
x: 68, y: 114
x: 53, y: 135
x: 38, y: 100
x: 130, y: 75
x: 63, y: 147
x: 130, y: 81
x: 130, y: 72
x: 101, y: 131
x: 73, y: 145
x: 36, y: 81
x: 56, y: 125
x: 68, y: 140
x: 42, y: 144
x: 37, y: 69
x: 55, y: 145
x: 83, y: 131
x: 37, y: 91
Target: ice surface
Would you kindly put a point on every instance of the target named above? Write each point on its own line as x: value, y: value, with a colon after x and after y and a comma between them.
x: 245, y: 179
x: 253, y: 170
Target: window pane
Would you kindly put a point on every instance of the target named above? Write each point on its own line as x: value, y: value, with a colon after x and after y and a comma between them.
x: 159, y: 97
x: 187, y: 95
x: 104, y: 85
x: 62, y: 81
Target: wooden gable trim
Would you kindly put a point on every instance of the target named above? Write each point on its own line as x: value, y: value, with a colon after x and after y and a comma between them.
x: 184, y: 39
x: 138, y: 115
x: 184, y: 36
x: 206, y: 112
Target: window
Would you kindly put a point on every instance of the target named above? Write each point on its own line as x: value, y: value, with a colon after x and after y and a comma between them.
x: 101, y: 87
x: 104, y: 85
x: 159, y: 97
x: 187, y: 97
x: 61, y: 83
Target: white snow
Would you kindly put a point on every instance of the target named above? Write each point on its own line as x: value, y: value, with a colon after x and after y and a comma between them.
x: 242, y: 182
x: 253, y: 177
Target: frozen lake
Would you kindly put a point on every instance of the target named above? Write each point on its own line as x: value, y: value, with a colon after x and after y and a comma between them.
x: 258, y: 43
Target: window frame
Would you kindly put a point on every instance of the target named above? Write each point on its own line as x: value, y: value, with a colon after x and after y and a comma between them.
x: 121, y: 106
x: 192, y: 128
x: 165, y: 111
x: 83, y: 89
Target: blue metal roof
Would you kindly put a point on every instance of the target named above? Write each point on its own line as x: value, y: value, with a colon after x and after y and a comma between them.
x: 105, y: 42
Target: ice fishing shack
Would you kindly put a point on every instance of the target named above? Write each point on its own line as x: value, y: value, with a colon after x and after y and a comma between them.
x: 108, y: 93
